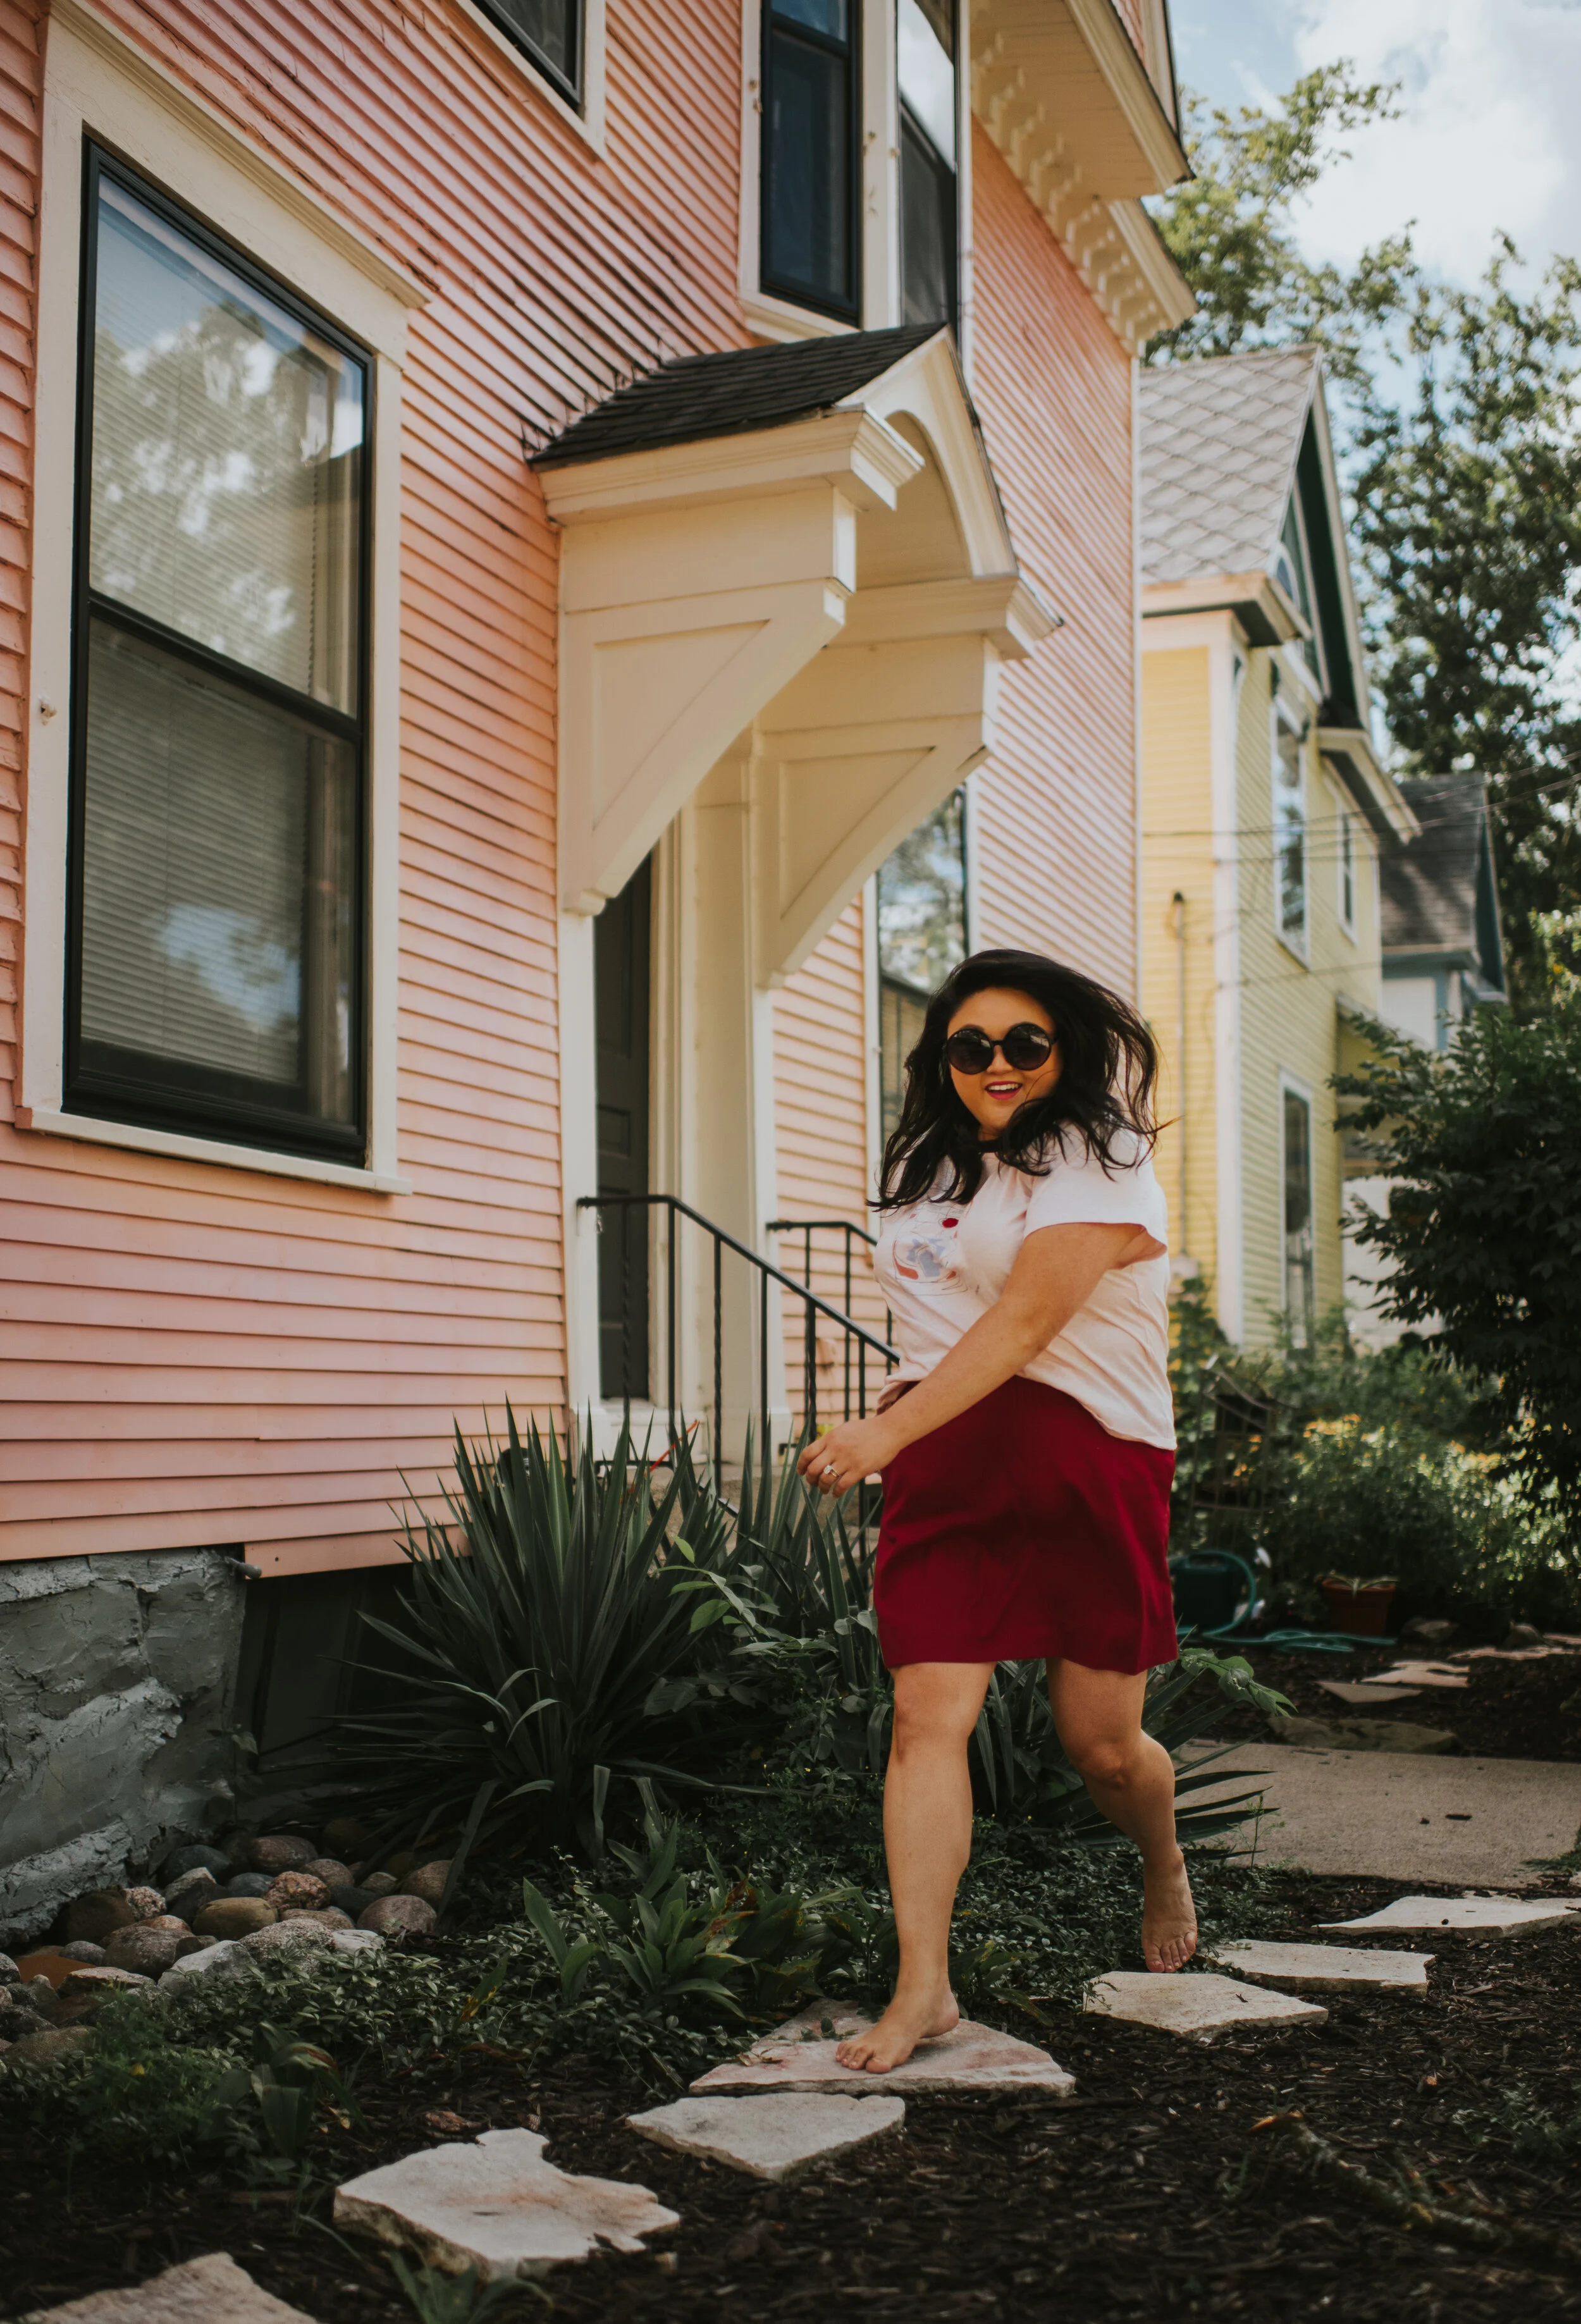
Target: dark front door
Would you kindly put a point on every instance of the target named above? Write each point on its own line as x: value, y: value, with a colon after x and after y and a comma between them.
x: 621, y: 956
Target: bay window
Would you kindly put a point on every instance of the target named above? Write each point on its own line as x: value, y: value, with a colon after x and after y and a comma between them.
x: 811, y: 155
x: 215, y: 939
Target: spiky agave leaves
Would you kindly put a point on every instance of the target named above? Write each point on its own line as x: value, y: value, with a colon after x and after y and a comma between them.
x: 538, y: 1624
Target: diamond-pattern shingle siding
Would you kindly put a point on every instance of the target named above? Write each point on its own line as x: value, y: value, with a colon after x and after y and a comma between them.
x: 1219, y: 439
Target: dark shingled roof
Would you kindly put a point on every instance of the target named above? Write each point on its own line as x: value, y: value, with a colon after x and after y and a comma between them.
x: 733, y: 394
x: 1437, y: 894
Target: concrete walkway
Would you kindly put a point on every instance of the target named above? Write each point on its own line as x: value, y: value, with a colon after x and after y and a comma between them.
x: 1381, y: 1815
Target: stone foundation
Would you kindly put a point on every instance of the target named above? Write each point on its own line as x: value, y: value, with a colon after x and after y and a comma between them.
x: 116, y: 1680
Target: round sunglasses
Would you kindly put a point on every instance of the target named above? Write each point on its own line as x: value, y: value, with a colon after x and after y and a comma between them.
x: 1024, y: 1048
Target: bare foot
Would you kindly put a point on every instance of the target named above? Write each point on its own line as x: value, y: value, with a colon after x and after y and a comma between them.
x: 892, y: 2041
x: 1169, y: 1917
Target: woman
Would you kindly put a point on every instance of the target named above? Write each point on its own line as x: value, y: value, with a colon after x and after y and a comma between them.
x: 1026, y: 1440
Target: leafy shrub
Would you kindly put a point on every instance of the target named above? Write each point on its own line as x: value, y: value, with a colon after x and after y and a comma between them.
x: 1484, y: 1226
x: 1380, y: 1464
x: 539, y: 1634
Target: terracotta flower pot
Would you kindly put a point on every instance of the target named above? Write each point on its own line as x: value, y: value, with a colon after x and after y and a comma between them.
x: 1359, y: 1607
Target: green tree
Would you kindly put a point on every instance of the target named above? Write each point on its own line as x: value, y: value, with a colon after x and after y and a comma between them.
x: 1231, y: 228
x: 1468, y: 509
x: 1484, y: 1226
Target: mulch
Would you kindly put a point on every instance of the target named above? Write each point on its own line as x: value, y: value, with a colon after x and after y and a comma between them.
x: 1509, y: 1710
x: 1148, y: 2195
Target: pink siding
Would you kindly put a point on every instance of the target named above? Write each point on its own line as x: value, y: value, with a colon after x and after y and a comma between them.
x: 1057, y: 801
x: 20, y: 84
x: 194, y: 1354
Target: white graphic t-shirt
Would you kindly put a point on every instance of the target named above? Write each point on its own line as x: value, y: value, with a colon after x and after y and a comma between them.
x: 942, y: 1266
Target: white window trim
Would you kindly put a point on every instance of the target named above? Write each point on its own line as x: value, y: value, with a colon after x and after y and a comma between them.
x: 774, y: 317
x: 589, y: 119
x: 1292, y: 1084
x: 99, y: 85
x: 1297, y: 944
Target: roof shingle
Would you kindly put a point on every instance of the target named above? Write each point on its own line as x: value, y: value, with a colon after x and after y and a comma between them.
x: 1429, y: 890
x: 732, y: 394
x: 1219, y: 440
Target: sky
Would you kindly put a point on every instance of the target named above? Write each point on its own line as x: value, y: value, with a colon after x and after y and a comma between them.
x: 1488, y: 139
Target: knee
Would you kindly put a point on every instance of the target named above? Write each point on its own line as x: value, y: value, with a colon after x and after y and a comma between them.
x: 1106, y: 1760
x: 924, y: 1725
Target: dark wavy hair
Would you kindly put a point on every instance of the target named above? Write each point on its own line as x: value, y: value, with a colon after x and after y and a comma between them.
x: 1109, y: 1063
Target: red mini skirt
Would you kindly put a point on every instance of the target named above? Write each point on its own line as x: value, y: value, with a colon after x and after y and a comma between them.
x: 1021, y: 1530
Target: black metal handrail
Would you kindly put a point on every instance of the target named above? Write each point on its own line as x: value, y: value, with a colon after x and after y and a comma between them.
x: 848, y: 1227
x: 813, y: 1306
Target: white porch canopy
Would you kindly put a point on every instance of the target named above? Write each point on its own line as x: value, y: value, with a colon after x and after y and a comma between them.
x: 787, y: 592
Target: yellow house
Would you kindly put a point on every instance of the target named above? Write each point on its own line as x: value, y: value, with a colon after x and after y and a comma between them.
x: 1264, y: 813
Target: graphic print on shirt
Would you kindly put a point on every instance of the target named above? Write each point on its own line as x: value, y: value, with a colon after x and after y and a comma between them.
x: 928, y: 1260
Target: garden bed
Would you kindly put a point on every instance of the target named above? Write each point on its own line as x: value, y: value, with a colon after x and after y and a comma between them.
x: 1148, y: 2193
x: 1511, y: 1709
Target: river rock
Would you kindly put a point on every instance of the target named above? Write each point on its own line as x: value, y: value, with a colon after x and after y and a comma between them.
x: 330, y: 1871
x: 98, y: 1983
x: 97, y: 1916
x: 8, y: 1968
x: 199, y: 1858
x: 428, y: 1881
x: 18, y: 2019
x: 294, y: 1940
x: 90, y: 1956
x: 50, y: 2045
x: 191, y: 1891
x: 380, y: 1884
x: 390, y: 1916
x: 149, y: 1952
x: 250, y: 1884
x: 353, y: 1901
x: 296, y: 1892
x: 330, y: 1917
x: 278, y: 1853
x: 346, y: 1837
x: 234, y: 1916
x: 357, y: 1941
x: 1522, y: 1637
x: 145, y: 1901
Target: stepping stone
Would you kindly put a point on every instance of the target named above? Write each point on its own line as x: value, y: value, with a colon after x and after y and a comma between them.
x: 770, y: 2136
x: 1198, y: 2008
x: 798, y: 2056
x: 1361, y: 1690
x: 1495, y: 1916
x: 1325, y: 1969
x: 498, y: 2207
x: 1442, y: 1675
x: 210, y: 2290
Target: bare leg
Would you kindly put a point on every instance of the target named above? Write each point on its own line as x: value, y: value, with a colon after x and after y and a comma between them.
x: 928, y: 1839
x: 1099, y: 1714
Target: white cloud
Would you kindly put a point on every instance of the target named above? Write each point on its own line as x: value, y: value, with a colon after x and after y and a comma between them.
x: 1487, y: 141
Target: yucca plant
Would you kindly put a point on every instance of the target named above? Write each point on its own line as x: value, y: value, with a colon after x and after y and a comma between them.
x: 540, y: 1629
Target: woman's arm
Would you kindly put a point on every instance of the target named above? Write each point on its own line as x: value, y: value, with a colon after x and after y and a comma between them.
x: 1057, y: 1270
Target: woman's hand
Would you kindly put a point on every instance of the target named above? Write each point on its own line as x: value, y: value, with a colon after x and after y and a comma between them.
x: 843, y: 1455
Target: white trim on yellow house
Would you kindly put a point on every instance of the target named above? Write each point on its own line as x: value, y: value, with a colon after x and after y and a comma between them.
x: 97, y: 84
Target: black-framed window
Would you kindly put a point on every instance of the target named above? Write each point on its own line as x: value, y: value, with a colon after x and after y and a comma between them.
x: 1299, y: 1293
x: 550, y: 33
x: 921, y: 936
x: 811, y: 197
x: 925, y: 53
x: 217, y: 925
